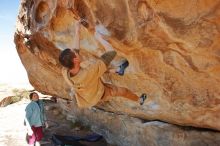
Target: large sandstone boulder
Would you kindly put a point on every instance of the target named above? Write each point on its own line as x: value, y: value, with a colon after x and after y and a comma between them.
x: 173, y: 48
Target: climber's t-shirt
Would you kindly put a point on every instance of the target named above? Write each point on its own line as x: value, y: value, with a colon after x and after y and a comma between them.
x: 87, y: 84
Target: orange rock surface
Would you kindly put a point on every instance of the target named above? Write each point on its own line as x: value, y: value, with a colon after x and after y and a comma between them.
x: 173, y: 48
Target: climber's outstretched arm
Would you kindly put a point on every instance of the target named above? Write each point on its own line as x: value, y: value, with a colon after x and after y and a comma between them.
x: 76, y: 40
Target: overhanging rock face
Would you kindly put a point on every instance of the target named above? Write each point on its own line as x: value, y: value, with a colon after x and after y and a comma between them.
x: 173, y: 48
x: 124, y: 130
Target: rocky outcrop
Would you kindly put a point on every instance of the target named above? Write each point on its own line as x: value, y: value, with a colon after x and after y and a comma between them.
x: 172, y: 47
x: 124, y: 130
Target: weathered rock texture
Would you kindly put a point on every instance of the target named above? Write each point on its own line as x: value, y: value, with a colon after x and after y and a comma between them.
x: 123, y: 130
x: 173, y: 48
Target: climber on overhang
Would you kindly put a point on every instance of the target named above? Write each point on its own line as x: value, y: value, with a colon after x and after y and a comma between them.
x: 86, y: 81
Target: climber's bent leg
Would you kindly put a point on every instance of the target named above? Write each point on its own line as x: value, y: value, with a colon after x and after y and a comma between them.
x: 112, y: 91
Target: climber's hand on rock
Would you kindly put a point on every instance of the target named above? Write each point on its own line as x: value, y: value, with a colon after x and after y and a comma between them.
x: 84, y: 22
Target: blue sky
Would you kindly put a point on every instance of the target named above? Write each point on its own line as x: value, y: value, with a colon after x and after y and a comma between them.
x: 8, y: 14
x: 12, y: 71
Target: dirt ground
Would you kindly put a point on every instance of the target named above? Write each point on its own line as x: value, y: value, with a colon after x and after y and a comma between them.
x: 13, y: 131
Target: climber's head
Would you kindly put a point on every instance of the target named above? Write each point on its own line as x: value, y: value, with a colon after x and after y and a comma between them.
x: 70, y: 59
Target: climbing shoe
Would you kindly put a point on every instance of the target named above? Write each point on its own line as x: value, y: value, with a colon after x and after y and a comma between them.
x: 143, y: 98
x: 122, y: 67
